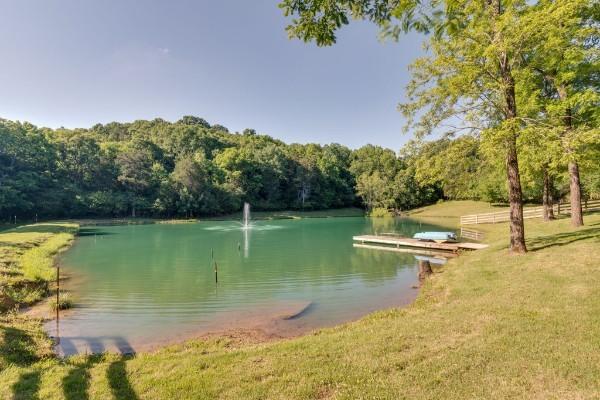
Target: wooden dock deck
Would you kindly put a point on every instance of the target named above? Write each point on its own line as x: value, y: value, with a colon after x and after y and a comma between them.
x: 413, y: 250
x: 410, y: 242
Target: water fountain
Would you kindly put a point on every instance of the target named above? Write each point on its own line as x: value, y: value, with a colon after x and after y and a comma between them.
x: 246, y: 220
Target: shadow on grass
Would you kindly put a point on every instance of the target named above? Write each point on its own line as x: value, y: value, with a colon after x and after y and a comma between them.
x: 562, y: 239
x: 28, y: 386
x: 118, y: 382
x: 77, y: 382
x: 17, y: 348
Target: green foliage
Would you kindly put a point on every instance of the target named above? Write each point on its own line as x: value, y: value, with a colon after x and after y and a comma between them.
x: 373, y: 189
x: 187, y: 168
x: 380, y: 212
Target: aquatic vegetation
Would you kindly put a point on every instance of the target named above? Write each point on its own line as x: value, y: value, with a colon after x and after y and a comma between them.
x: 65, y: 301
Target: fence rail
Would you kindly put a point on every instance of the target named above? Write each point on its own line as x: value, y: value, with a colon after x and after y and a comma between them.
x: 530, y: 212
x: 471, y: 234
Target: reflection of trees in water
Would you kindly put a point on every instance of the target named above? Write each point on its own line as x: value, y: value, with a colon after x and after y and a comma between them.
x: 401, y: 226
x: 383, y: 225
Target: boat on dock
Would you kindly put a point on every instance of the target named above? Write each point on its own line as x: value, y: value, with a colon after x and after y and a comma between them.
x: 439, y: 237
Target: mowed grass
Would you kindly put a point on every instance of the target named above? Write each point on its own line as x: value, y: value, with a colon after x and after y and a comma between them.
x: 488, y: 325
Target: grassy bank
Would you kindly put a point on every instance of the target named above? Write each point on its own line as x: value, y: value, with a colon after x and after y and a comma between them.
x: 489, y: 325
x: 26, y: 261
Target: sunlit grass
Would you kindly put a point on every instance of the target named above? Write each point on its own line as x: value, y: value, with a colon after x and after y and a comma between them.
x: 27, y: 258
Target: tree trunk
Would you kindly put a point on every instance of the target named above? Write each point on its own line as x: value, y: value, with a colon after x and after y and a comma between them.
x: 547, y: 196
x: 515, y: 194
x: 576, y: 212
x: 424, y: 270
x: 575, y: 186
x: 515, y: 198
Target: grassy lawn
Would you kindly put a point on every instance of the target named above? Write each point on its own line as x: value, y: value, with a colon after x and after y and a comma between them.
x: 489, y: 325
x: 454, y: 209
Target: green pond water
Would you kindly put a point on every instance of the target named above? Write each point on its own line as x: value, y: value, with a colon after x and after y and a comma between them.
x: 140, y: 286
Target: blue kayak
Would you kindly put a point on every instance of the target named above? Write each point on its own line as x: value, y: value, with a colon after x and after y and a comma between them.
x: 436, y: 236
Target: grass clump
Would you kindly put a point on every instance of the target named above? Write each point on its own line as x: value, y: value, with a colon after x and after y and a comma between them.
x: 65, y: 301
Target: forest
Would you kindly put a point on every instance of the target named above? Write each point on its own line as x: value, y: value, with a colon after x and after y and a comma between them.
x: 191, y: 168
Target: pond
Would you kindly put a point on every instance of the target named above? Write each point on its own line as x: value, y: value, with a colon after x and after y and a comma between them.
x: 140, y: 286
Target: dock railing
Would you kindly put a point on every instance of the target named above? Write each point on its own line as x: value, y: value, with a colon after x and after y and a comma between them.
x: 529, y: 212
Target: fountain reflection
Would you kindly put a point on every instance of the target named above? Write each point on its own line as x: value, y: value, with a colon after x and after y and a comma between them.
x: 246, y: 242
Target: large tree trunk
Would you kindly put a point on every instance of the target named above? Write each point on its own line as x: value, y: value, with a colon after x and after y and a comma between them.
x: 515, y: 198
x: 576, y: 212
x: 547, y: 196
x: 515, y: 194
x: 575, y: 187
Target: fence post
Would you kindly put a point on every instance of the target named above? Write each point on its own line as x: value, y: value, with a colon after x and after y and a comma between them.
x: 476, y: 219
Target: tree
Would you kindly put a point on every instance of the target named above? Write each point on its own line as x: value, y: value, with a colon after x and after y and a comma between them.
x: 475, y: 52
x: 193, y: 121
x: 451, y: 164
x: 135, y: 166
x: 567, y: 59
x: 373, y: 190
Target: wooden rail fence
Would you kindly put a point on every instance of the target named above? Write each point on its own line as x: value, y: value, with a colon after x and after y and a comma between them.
x: 529, y: 212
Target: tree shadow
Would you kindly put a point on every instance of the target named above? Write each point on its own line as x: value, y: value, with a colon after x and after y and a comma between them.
x: 77, y: 382
x: 118, y: 381
x: 17, y: 348
x: 562, y: 239
x: 28, y: 386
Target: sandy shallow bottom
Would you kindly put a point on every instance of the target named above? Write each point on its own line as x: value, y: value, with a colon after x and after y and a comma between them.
x: 260, y: 324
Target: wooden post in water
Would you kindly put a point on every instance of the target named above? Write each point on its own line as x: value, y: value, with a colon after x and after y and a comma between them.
x: 216, y: 273
x: 424, y: 270
x: 57, y: 304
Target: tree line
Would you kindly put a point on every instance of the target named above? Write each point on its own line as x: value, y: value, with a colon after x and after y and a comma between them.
x: 509, y: 72
x: 191, y: 168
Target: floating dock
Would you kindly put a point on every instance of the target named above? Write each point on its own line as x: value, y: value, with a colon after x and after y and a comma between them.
x: 410, y: 242
x: 413, y: 251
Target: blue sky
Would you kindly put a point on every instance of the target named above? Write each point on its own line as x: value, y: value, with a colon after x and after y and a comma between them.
x: 74, y: 63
